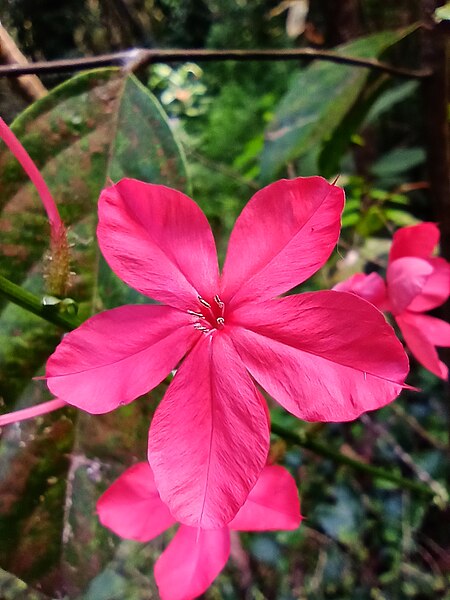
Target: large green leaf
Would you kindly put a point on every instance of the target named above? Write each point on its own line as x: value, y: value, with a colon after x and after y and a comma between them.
x: 99, y: 125
x: 376, y: 97
x: 317, y: 101
x: 96, y: 126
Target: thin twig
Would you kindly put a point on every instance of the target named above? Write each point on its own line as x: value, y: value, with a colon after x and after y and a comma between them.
x: 385, y: 436
x: 29, y: 86
x: 401, y: 413
x: 305, y: 441
x: 132, y: 59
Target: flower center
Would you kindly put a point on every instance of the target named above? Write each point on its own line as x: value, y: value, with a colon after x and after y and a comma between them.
x: 209, y: 315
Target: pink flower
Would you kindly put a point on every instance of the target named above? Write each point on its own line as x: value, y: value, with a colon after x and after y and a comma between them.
x: 324, y: 356
x: 132, y: 509
x: 416, y: 281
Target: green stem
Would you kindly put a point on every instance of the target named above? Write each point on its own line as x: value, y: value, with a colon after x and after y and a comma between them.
x: 34, y: 304
x: 304, y: 441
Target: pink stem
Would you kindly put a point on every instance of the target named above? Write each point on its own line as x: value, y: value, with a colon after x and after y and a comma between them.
x: 29, y: 413
x: 33, y: 173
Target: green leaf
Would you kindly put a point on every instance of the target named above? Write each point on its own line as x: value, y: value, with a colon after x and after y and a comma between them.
x: 128, y: 575
x: 398, y: 161
x: 334, y: 146
x: 319, y: 97
x: 401, y: 218
x: 12, y: 588
x: 390, y: 98
x: 442, y: 13
x: 344, y: 519
x: 350, y: 219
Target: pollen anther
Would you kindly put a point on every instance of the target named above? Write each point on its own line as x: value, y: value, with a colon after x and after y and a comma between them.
x: 207, y: 304
x: 218, y: 301
x: 196, y: 314
x: 200, y: 327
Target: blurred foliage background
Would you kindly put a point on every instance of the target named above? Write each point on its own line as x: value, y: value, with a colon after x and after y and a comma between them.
x: 238, y: 126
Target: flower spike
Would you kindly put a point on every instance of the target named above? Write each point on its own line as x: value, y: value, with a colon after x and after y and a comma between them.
x: 33, y: 173
x: 57, y: 272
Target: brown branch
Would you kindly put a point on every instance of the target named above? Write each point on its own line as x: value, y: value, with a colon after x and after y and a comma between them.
x: 28, y: 86
x: 133, y: 59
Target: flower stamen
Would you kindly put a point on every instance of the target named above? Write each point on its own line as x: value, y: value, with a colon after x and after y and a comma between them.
x: 218, y: 301
x: 207, y: 304
x: 211, y: 319
x: 196, y: 314
x: 201, y: 327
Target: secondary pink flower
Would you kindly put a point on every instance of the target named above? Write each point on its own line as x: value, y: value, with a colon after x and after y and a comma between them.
x: 132, y: 509
x: 324, y: 356
x: 416, y: 281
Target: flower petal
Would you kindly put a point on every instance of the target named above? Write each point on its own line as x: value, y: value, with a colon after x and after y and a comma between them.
x: 370, y: 287
x: 209, y: 437
x: 131, y: 506
x: 436, y: 330
x: 191, y: 562
x: 158, y: 241
x: 118, y: 355
x: 421, y: 334
x: 416, y: 240
x: 272, y: 504
x: 325, y: 356
x: 285, y: 234
x: 436, y: 289
x: 406, y: 278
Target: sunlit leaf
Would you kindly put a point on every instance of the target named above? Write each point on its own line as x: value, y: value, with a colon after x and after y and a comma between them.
x: 318, y: 99
x: 442, y: 13
x: 12, y: 588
